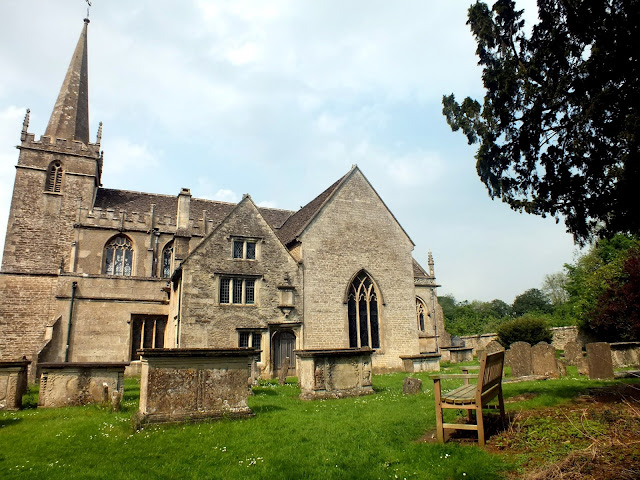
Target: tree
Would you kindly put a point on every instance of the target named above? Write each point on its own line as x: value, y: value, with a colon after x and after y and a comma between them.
x: 528, y: 329
x: 601, y: 286
x: 554, y: 287
x: 558, y: 131
x: 616, y: 315
x: 533, y: 300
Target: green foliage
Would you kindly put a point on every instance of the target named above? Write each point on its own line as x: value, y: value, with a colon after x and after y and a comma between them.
x: 472, y: 318
x: 530, y: 329
x: 533, y: 300
x: 557, y: 130
x: 592, y: 281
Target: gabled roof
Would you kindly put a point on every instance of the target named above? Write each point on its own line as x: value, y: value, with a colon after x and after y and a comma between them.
x: 167, y: 205
x: 70, y: 116
x: 418, y: 271
x: 298, y: 222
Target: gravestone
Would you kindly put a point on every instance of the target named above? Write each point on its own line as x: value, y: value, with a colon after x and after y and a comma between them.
x: 520, y: 359
x: 599, y: 361
x: 411, y: 386
x: 494, y: 346
x: 573, y: 353
x: 284, y: 369
x: 543, y: 360
x: 562, y: 367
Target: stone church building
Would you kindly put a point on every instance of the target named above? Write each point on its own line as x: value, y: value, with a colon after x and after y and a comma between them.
x: 92, y: 274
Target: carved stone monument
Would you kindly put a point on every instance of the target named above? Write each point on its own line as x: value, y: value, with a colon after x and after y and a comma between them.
x: 599, y: 361
x: 179, y: 384
x: 543, y: 360
x: 79, y: 383
x: 13, y: 384
x: 573, y: 353
x: 519, y: 359
x: 335, y: 373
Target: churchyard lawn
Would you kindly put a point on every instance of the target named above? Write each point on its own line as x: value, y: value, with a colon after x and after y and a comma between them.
x: 387, y: 435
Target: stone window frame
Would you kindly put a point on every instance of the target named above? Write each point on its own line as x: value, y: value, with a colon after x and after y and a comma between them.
x: 250, y: 338
x: 125, y: 244
x: 238, y: 290
x: 167, y: 251
x: 53, y: 182
x: 363, y: 287
x: 244, y: 248
x: 151, y: 331
x: 422, y: 313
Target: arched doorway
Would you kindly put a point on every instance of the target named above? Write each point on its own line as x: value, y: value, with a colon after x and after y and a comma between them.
x: 284, y: 343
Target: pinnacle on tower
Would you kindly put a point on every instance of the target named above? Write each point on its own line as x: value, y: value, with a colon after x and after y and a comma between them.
x: 70, y: 116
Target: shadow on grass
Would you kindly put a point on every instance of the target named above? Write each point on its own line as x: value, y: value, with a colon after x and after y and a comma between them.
x: 264, y: 391
x: 266, y: 409
x: 8, y: 422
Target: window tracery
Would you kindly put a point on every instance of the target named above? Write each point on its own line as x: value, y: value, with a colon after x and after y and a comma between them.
x: 118, y: 256
x: 362, y: 307
x: 54, y: 177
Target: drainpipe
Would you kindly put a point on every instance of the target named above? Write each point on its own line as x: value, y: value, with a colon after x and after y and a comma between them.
x: 74, y: 285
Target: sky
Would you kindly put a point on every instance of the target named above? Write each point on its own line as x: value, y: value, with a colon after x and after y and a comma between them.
x: 279, y: 99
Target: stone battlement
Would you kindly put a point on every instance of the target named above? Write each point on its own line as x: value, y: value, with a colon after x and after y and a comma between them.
x: 60, y: 145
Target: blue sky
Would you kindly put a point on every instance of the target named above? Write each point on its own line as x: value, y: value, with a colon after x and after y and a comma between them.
x: 278, y: 99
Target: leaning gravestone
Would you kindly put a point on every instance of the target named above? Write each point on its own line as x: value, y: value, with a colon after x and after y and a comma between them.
x: 411, y: 386
x: 493, y: 346
x: 520, y: 359
x: 573, y: 353
x: 599, y: 361
x: 543, y: 359
x: 284, y: 369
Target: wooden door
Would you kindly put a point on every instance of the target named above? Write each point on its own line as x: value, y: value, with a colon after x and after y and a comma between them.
x: 284, y: 343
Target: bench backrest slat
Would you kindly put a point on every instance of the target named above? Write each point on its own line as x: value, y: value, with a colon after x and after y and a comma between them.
x: 491, y: 368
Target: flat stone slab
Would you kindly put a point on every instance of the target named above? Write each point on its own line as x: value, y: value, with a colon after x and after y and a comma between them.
x: 187, y: 385
x: 334, y: 373
x: 65, y: 384
x: 424, y: 362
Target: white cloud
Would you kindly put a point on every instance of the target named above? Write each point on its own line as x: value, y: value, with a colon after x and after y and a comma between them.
x: 267, y: 204
x: 225, y: 195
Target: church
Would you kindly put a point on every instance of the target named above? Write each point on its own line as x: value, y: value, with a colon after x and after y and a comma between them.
x: 93, y: 274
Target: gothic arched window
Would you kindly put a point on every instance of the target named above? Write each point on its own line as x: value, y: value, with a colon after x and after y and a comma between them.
x: 118, y: 256
x: 362, y: 303
x: 421, y: 311
x: 167, y: 255
x: 54, y: 177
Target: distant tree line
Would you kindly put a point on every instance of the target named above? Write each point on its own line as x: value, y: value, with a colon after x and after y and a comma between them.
x: 599, y: 292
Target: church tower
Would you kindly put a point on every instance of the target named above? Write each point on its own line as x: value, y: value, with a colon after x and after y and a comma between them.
x: 55, y: 176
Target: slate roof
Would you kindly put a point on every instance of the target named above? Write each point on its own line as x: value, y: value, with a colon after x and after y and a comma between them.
x: 299, y: 220
x: 167, y: 205
x: 418, y: 271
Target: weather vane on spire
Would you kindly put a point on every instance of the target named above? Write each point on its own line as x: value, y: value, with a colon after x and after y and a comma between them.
x: 88, y: 7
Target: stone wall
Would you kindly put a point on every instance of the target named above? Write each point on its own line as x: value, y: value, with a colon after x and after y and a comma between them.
x: 27, y: 307
x: 205, y: 322
x: 354, y: 232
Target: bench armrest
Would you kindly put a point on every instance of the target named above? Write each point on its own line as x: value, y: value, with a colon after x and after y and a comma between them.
x: 453, y: 375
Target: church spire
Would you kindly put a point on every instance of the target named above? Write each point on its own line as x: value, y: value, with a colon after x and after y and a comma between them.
x: 70, y: 117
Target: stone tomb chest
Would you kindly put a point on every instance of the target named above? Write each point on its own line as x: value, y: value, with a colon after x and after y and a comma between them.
x: 13, y: 384
x: 79, y: 383
x: 181, y: 385
x: 334, y: 373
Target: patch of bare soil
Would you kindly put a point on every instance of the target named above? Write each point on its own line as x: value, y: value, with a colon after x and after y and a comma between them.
x: 595, y: 437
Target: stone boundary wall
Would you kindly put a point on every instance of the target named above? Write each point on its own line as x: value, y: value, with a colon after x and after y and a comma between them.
x: 561, y: 335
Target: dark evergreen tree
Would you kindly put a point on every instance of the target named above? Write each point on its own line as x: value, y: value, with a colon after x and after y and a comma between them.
x: 559, y: 127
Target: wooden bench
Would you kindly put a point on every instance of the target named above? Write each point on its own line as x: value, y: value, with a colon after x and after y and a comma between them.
x: 471, y: 397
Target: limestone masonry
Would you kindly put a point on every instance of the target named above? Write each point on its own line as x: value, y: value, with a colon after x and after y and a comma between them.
x: 91, y: 274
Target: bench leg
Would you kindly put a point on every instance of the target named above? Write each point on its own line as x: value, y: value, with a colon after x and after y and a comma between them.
x: 480, y: 423
x: 501, y: 406
x: 439, y: 422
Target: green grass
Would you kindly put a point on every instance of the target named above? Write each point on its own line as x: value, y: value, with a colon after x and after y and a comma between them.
x: 360, y: 438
